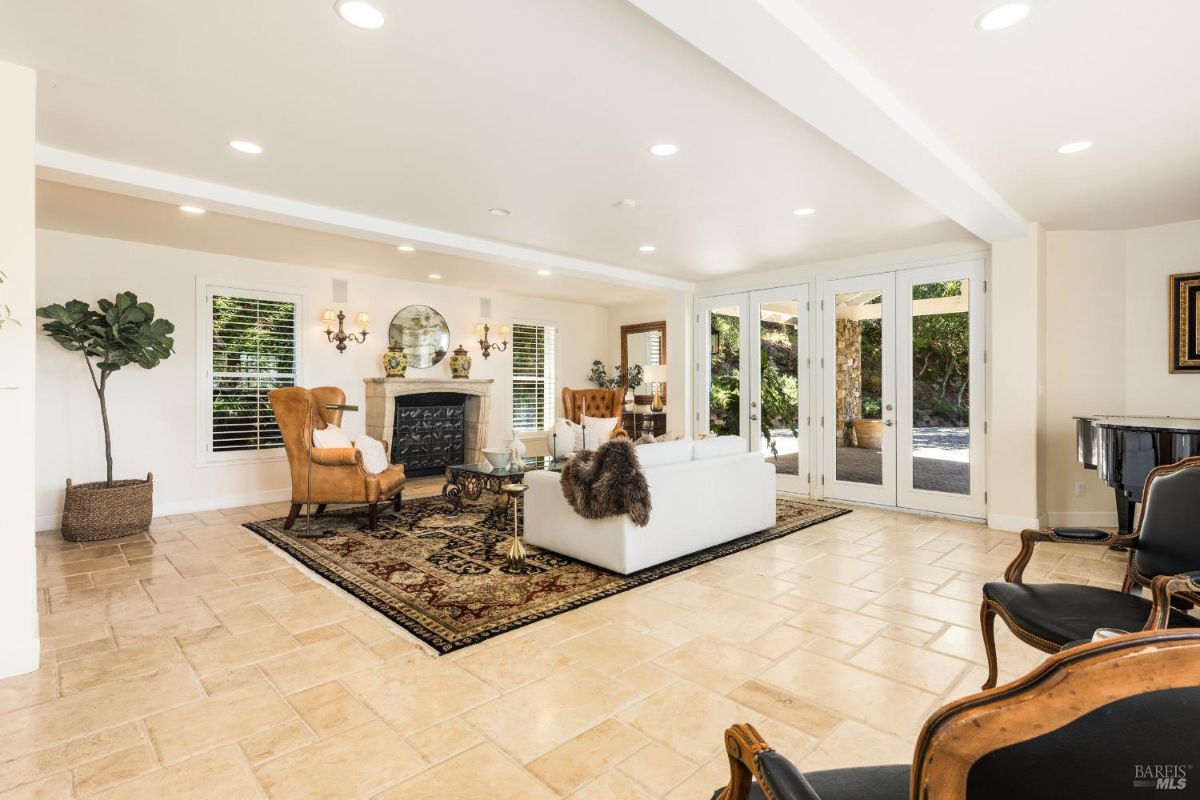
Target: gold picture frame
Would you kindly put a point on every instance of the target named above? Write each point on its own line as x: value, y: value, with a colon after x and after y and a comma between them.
x: 1183, y: 335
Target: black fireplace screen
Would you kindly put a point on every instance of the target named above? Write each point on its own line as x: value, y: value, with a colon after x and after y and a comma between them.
x: 428, y: 432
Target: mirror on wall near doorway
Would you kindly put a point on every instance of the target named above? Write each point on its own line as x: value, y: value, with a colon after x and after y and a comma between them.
x: 645, y: 344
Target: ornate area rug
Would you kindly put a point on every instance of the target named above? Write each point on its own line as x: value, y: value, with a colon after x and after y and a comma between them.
x: 443, y: 578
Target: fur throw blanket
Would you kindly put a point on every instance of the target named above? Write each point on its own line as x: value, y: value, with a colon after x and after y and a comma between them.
x: 607, y: 482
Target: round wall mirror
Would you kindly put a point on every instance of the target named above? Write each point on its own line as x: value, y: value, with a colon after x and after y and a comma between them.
x: 423, y: 334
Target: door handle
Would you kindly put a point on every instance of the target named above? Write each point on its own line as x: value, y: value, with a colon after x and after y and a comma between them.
x: 888, y: 407
x: 888, y: 422
x: 754, y: 417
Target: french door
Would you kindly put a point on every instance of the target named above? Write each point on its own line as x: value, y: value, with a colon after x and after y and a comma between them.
x: 858, y: 419
x: 753, y: 376
x: 902, y: 394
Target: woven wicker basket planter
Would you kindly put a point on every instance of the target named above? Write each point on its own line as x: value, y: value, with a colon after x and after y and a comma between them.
x: 94, y: 511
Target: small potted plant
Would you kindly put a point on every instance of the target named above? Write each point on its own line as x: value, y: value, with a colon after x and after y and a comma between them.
x: 122, y: 332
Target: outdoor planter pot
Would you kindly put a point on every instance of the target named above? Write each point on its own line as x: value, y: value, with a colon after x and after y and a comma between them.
x: 869, y: 433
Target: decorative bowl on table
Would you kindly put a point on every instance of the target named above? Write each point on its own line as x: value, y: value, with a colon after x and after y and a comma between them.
x: 498, y: 457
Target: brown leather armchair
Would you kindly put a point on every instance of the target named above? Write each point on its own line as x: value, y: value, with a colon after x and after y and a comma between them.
x: 337, y: 473
x: 604, y: 403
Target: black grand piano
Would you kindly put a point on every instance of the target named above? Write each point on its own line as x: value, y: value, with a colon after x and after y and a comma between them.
x: 1123, y: 450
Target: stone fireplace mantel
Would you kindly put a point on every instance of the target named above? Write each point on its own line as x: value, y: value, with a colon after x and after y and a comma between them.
x: 381, y: 404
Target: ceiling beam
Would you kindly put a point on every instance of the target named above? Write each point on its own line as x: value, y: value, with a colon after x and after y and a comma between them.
x: 76, y: 169
x: 780, y: 50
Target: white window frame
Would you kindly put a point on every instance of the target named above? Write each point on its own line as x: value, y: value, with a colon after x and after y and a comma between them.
x: 205, y: 289
x: 550, y: 397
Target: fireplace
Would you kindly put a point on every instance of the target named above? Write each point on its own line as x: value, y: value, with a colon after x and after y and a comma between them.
x: 471, y: 396
x: 427, y: 432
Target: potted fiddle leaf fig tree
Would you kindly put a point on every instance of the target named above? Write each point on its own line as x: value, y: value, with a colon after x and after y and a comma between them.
x: 117, y: 333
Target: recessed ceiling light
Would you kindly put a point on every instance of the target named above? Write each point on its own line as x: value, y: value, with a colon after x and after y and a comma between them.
x: 191, y: 209
x: 242, y: 146
x: 405, y: 248
x: 804, y: 212
x: 1002, y: 16
x: 433, y: 276
x: 647, y: 248
x: 545, y: 272
x: 359, y: 14
x: 628, y: 202
x: 499, y: 212
x: 1074, y: 147
x: 664, y: 149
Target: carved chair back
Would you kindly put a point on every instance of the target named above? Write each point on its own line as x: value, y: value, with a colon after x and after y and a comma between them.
x: 1168, y: 532
x: 1094, y: 721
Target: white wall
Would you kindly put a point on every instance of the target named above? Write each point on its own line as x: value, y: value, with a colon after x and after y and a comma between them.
x: 1015, y: 373
x: 18, y: 569
x: 1106, y: 348
x: 153, y: 413
x: 1152, y: 254
x: 1085, y: 363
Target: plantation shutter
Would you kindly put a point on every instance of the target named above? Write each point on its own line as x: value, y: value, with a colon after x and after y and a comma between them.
x: 253, y: 351
x: 533, y: 377
x: 654, y: 348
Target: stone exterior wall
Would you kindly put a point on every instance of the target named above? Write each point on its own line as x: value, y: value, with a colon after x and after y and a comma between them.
x: 848, y: 365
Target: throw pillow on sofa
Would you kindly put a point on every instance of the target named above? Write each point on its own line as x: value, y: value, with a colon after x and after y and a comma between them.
x: 577, y: 432
x: 597, y: 431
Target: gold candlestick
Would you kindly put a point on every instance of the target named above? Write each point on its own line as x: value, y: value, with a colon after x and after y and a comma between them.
x: 515, y: 558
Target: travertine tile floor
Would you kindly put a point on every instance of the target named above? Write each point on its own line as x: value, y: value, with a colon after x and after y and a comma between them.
x: 196, y: 662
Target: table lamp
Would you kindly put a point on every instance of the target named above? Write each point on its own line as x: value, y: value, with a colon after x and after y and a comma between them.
x: 655, y: 375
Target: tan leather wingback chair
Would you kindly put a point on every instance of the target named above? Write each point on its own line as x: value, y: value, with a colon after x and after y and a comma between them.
x: 595, y: 403
x: 337, y: 473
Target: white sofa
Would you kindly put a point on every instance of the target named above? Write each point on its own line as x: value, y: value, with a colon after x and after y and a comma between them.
x: 703, y: 494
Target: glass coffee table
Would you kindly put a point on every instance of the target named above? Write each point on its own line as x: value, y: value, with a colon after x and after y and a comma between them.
x: 470, y: 481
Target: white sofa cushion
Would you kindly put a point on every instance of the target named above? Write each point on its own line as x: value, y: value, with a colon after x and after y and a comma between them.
x: 331, y: 436
x: 659, y: 453
x: 719, y: 446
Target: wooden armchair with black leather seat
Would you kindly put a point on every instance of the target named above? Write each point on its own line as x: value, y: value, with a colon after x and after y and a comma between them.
x: 602, y: 403
x: 1165, y: 543
x: 1111, y: 719
x: 337, y: 473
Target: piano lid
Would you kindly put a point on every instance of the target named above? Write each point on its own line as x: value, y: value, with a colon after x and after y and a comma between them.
x: 1172, y: 424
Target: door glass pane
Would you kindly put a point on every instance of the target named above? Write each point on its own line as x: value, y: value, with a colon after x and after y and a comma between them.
x: 724, y: 409
x: 941, y: 349
x: 779, y: 390
x: 859, y: 371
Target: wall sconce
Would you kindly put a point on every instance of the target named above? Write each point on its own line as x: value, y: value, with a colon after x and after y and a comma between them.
x: 482, y: 330
x: 363, y: 319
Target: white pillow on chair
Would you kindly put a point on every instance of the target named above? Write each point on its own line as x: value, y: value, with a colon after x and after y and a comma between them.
x: 597, y: 431
x: 331, y: 436
x: 375, y: 460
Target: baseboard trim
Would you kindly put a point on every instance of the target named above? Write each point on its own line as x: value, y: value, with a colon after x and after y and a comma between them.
x: 17, y: 658
x: 52, y: 522
x: 1011, y: 522
x: 1083, y: 519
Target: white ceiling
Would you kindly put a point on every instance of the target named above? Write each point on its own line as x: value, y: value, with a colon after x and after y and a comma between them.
x: 1123, y: 74
x: 541, y: 106
x: 94, y: 213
